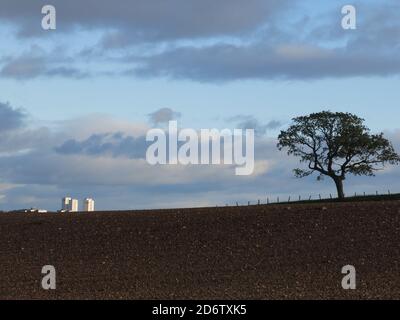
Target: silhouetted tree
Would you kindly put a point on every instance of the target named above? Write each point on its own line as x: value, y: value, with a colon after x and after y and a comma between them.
x: 335, y: 144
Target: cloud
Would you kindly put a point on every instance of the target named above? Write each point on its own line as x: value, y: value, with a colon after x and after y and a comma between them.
x: 80, y: 128
x: 305, y: 47
x: 30, y: 66
x: 250, y: 122
x: 17, y: 135
x: 163, y: 115
x: 135, y: 20
x: 10, y: 118
x: 23, y: 68
x: 208, y: 41
x: 223, y: 62
x: 112, y: 144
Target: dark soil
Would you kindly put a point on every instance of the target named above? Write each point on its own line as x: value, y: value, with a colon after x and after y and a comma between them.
x: 258, y: 252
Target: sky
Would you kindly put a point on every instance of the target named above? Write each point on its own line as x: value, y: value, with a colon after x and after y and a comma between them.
x: 76, y: 102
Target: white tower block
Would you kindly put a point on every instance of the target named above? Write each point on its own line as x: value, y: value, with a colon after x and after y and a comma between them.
x: 88, y: 205
x: 65, y: 204
x: 74, y: 205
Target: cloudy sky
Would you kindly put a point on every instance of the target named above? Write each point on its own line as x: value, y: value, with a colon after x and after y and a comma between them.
x: 76, y: 102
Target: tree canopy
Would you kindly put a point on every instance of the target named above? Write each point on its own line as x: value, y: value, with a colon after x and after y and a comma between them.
x: 335, y: 144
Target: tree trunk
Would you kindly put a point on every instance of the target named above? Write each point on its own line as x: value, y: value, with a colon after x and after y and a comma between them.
x: 339, y: 187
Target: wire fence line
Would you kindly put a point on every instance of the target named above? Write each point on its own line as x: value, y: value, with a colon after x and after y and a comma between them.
x: 315, y: 198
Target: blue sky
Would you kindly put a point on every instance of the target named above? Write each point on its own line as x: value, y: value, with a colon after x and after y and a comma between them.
x: 110, y: 64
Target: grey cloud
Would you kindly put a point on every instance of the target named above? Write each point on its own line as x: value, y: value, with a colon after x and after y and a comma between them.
x: 250, y: 122
x: 148, y: 20
x: 232, y: 62
x: 23, y: 68
x: 274, y: 124
x: 29, y: 66
x: 23, y: 140
x: 17, y: 136
x: 112, y: 144
x: 116, y: 145
x: 259, y: 40
x: 309, y: 47
x: 378, y: 27
x: 66, y: 72
x: 10, y: 118
x: 163, y: 115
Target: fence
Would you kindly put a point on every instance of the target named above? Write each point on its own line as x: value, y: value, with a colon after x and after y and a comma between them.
x: 320, y: 197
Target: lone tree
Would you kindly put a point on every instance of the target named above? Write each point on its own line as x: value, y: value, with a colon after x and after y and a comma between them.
x: 335, y: 144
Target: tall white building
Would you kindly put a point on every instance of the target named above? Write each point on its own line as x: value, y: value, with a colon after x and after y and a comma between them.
x: 66, y: 203
x: 74, y: 206
x: 69, y: 204
x: 88, y: 205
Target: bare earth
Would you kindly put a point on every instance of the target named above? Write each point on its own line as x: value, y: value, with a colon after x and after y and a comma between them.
x: 257, y: 252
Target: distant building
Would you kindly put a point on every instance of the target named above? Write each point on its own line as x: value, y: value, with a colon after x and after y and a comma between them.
x: 33, y: 210
x: 88, y: 205
x: 69, y: 205
x: 74, y: 206
x: 66, y: 203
